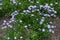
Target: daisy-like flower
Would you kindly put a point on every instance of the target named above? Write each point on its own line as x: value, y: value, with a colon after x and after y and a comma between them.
x: 41, y: 22
x: 8, y: 38
x: 56, y: 2
x: 37, y: 1
x: 20, y: 21
x: 29, y: 24
x: 26, y: 26
x: 15, y: 38
x: 43, y: 30
x: 19, y: 3
x: 21, y: 37
x: 32, y: 14
x: 51, y: 4
x: 51, y: 22
x: 55, y: 11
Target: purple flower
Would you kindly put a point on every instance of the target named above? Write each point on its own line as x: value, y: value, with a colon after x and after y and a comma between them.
x: 32, y: 7
x: 26, y: 11
x: 4, y: 21
x: 48, y: 26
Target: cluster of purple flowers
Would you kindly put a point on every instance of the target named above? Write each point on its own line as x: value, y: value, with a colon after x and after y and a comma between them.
x: 33, y: 8
x: 7, y: 23
x: 42, y: 20
x: 51, y: 11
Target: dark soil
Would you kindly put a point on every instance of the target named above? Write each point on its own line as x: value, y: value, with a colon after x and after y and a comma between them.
x: 56, y: 35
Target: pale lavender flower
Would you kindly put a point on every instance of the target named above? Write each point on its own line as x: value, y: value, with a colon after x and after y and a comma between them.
x: 41, y: 6
x: 53, y: 26
x: 50, y: 30
x: 10, y: 21
x: 26, y: 11
x: 51, y: 22
x: 48, y: 26
x: 45, y: 14
x: 4, y: 21
x: 13, y: 20
x: 41, y: 22
x: 4, y: 24
x: 4, y: 27
x: 14, y: 13
x: 52, y: 14
x: 39, y: 29
x: 46, y: 6
x: 53, y: 31
x: 10, y: 26
x: 7, y: 23
x: 32, y: 7
x: 14, y: 1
